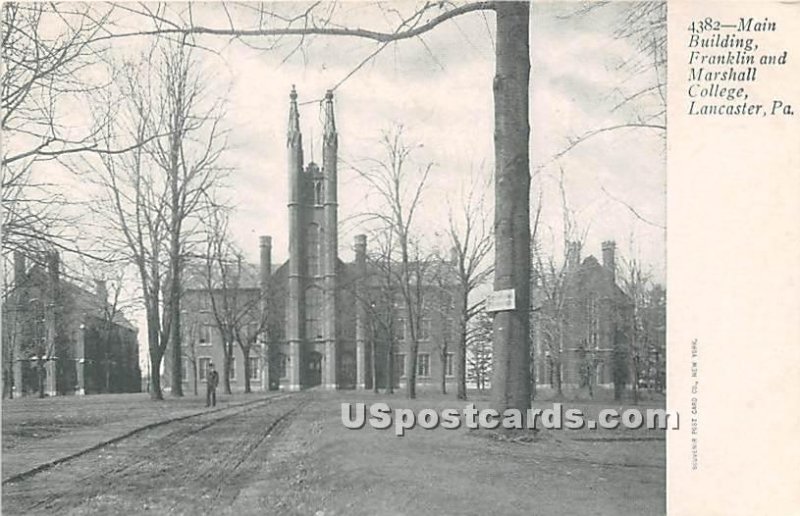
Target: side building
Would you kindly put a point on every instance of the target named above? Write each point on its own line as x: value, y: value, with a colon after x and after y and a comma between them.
x: 581, y: 323
x: 60, y: 338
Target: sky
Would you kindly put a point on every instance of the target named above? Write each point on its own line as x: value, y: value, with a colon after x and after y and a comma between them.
x: 439, y: 88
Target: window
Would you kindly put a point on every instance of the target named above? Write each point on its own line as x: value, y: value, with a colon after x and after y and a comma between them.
x: 186, y: 369
x: 283, y: 361
x: 399, y: 365
x: 425, y: 329
x: 318, y: 191
x: 205, y: 335
x: 232, y: 376
x: 314, y: 313
x: 202, y: 367
x: 423, y: 365
x: 400, y: 329
x: 593, y: 320
x: 312, y: 253
x: 448, y: 364
x: 255, y: 368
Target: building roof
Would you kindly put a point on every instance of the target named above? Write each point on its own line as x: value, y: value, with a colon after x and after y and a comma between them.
x: 79, y: 299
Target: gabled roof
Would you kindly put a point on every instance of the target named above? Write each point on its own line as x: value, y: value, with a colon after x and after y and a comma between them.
x: 80, y: 300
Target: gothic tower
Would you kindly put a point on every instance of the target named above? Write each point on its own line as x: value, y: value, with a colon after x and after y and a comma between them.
x: 295, y: 302
x: 329, y: 244
x: 311, y: 319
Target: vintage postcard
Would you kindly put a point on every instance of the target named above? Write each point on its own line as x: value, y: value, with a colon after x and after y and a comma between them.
x: 402, y: 257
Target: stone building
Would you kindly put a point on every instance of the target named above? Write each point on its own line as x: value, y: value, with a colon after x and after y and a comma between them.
x: 60, y: 338
x: 581, y: 321
x: 324, y: 317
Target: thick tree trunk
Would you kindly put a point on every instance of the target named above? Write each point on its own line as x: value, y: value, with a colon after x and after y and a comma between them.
x: 390, y: 368
x: 155, y: 375
x: 156, y: 354
x: 411, y: 374
x: 227, y: 352
x: 246, y: 355
x: 510, y: 382
x: 177, y: 356
x: 194, y: 376
x: 461, y: 358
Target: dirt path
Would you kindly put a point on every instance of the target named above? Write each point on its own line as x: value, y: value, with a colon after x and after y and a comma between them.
x: 190, y: 466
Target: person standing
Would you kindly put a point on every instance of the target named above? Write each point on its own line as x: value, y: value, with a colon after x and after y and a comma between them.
x: 212, y: 379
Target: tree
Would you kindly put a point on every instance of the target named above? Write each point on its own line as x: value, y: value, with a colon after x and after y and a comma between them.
x: 150, y: 198
x: 647, y: 326
x: 379, y: 299
x: 238, y: 312
x: 191, y: 331
x: 471, y: 240
x: 400, y: 191
x: 479, y: 350
x: 550, y: 284
x: 53, y: 64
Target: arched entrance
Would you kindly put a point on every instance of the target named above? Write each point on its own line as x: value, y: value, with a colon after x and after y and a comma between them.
x: 347, y: 371
x: 314, y: 372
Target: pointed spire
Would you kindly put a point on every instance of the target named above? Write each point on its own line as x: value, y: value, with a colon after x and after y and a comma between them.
x: 294, y: 118
x: 330, y: 125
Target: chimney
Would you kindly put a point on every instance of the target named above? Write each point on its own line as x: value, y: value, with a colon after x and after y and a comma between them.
x: 265, y: 267
x: 573, y: 255
x: 453, y: 255
x: 19, y: 268
x: 609, y: 260
x: 360, y: 247
x: 101, y: 290
x: 53, y: 267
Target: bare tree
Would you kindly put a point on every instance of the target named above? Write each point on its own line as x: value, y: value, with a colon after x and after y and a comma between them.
x: 479, y: 350
x: 237, y: 310
x: 646, y: 325
x: 151, y: 196
x: 190, y: 330
x: 472, y: 242
x: 399, y: 188
x: 52, y: 63
x: 380, y: 303
x: 551, y: 285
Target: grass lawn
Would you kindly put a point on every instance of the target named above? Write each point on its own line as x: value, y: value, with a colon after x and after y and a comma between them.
x: 326, y: 469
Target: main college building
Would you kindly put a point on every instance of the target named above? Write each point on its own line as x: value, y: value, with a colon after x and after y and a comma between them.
x: 327, y: 317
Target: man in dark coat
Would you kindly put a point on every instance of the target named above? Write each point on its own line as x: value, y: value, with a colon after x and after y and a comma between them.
x: 212, y: 379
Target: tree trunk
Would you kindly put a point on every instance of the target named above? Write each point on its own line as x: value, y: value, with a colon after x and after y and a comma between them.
x: 194, y: 376
x: 155, y: 375
x: 511, y: 382
x: 156, y: 354
x: 227, y: 352
x: 444, y: 368
x: 411, y: 374
x: 373, y: 363
x: 461, y: 358
x: 246, y: 355
x: 390, y: 368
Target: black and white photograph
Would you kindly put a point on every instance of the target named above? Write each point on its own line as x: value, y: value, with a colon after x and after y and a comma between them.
x: 336, y: 258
